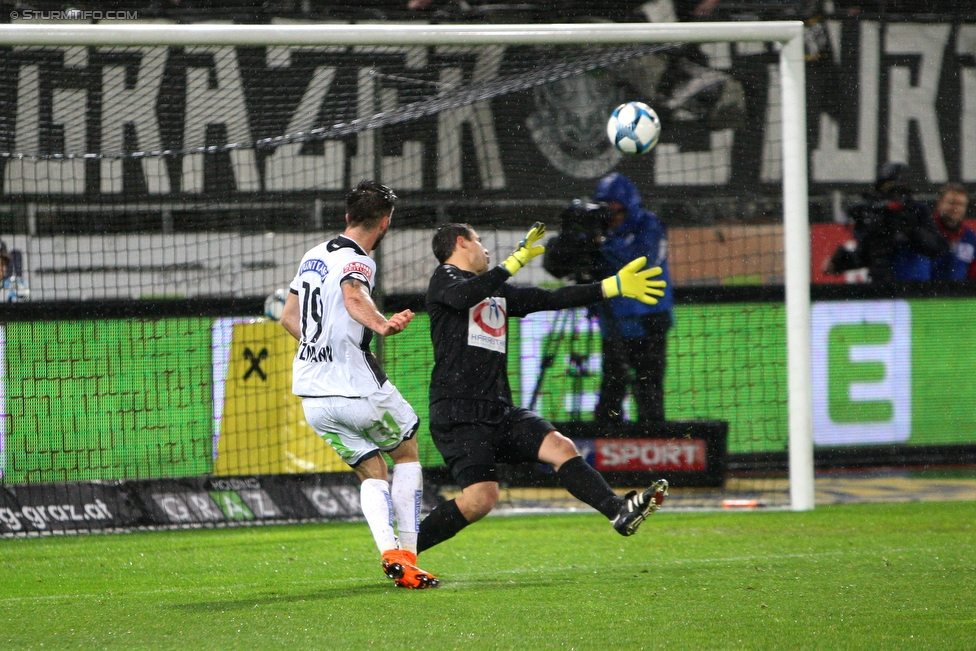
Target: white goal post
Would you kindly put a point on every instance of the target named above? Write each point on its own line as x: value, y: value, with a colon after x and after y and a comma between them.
x: 789, y: 34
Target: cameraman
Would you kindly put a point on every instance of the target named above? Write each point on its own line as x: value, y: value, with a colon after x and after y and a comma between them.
x: 634, y: 334
x: 896, y: 238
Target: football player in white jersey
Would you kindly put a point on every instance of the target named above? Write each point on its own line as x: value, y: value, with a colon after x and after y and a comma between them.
x: 347, y: 397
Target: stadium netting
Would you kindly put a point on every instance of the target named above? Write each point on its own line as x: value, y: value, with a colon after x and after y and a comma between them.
x: 145, y: 189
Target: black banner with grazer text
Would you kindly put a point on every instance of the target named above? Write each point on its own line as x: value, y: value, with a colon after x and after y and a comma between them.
x: 876, y: 92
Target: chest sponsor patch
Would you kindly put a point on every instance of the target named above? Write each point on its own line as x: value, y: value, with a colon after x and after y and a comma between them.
x: 360, y: 269
x: 487, y: 326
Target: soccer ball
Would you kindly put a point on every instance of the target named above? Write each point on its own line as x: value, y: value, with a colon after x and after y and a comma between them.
x: 275, y: 304
x: 634, y: 128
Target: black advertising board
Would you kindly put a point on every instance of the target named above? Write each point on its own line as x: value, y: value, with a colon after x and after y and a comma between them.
x: 68, y: 507
x: 81, y: 507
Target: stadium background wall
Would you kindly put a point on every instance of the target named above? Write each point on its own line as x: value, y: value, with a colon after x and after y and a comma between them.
x: 98, y: 223
x: 855, y: 117
x: 183, y: 397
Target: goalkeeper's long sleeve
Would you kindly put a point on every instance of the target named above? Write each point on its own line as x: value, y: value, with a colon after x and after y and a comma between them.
x: 461, y: 290
x: 469, y: 328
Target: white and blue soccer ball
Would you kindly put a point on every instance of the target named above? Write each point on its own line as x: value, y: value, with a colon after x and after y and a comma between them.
x: 634, y: 128
x: 275, y: 304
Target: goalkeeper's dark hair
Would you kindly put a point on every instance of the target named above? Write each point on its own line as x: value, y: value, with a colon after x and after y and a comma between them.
x: 445, y: 239
x: 368, y: 203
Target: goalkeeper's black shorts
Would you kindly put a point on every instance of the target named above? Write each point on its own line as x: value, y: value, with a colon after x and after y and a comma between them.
x: 475, y: 435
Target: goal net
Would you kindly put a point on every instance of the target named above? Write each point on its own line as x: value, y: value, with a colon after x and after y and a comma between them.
x: 160, y: 181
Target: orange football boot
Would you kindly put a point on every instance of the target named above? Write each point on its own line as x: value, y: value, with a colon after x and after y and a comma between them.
x: 400, y: 565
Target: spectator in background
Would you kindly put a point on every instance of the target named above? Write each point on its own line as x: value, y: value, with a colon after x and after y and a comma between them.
x: 959, y: 262
x: 895, y: 237
x: 12, y: 288
x: 635, y: 334
x: 699, y: 9
x: 4, y: 272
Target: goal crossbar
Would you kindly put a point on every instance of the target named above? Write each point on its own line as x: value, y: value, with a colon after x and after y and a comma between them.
x: 393, y: 34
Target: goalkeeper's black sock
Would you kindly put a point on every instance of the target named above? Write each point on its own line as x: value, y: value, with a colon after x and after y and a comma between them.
x: 442, y: 524
x: 587, y: 485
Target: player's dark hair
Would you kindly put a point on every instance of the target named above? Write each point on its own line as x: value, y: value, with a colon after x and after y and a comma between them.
x: 953, y: 187
x: 445, y: 239
x: 368, y: 203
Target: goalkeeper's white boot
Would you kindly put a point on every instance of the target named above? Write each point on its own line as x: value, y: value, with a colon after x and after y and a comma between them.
x: 637, y: 506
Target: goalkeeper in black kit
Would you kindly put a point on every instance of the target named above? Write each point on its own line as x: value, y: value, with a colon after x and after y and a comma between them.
x: 473, y: 421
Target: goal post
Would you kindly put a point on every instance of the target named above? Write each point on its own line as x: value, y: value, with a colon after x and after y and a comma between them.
x: 797, y: 249
x: 787, y: 35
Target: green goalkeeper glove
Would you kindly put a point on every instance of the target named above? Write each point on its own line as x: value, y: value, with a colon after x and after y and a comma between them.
x: 527, y: 249
x: 631, y: 282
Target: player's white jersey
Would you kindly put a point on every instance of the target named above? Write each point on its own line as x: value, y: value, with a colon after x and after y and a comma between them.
x: 333, y: 356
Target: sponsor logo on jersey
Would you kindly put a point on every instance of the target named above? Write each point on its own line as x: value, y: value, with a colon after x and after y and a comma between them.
x: 360, y: 268
x: 315, y: 266
x: 487, y: 326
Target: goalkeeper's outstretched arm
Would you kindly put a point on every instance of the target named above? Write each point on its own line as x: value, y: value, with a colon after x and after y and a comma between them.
x: 632, y: 281
x: 459, y: 250
x: 451, y: 287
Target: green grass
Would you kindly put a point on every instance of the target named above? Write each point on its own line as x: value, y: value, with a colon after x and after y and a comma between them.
x: 899, y: 576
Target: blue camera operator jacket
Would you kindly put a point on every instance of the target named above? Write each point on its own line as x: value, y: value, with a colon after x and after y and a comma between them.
x: 640, y: 234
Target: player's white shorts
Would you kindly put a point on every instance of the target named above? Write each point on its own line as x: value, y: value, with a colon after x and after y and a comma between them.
x: 355, y: 427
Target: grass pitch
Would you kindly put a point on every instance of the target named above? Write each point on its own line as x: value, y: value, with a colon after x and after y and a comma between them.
x: 872, y: 576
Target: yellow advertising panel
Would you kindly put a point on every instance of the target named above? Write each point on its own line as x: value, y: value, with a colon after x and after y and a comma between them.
x: 263, y: 429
